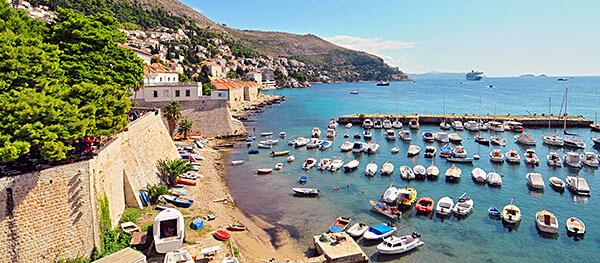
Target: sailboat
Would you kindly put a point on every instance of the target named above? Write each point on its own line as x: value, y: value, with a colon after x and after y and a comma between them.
x: 570, y: 142
x: 551, y: 139
x: 595, y: 126
x: 444, y: 125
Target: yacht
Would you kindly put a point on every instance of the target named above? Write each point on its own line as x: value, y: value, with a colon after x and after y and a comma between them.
x: 553, y: 140
x: 471, y: 126
x: 496, y: 126
x: 441, y: 137
x: 514, y: 126
x: 572, y: 159
x: 457, y: 125
x: 496, y: 140
x: 475, y: 75
x: 573, y: 143
x: 383, y: 83
x: 387, y: 124
x: 398, y: 245
x: 482, y: 126
x: 367, y: 124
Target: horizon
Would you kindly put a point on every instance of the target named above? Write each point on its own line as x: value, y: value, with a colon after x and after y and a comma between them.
x: 510, y: 38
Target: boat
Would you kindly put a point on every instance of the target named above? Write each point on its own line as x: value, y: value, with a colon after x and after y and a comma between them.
x: 445, y: 126
x: 573, y: 143
x: 531, y: 157
x: 324, y: 163
x: 478, y: 175
x: 387, y: 168
x: 525, y: 139
x: 168, y: 230
x: 496, y: 140
x: 572, y: 159
x: 357, y: 135
x: 494, y: 212
x: 453, y: 173
x: 367, y: 134
x: 180, y: 180
x: 371, y: 147
x: 253, y: 151
x: 346, y: 135
x: 309, y: 163
x: 388, y: 211
x: 387, y: 124
x: 471, y: 126
x: 397, y: 124
x: 391, y: 194
x: 340, y: 224
x: 237, y: 162
x: 351, y: 165
x: 178, y: 201
x: 454, y: 138
x: 482, y: 140
x: 496, y: 156
x: 302, y: 179
x: 314, y: 143
x: 325, y: 145
x: 265, y: 134
x: 354, y: 92
x: 301, y: 141
x: 179, y: 256
x: 514, y: 126
x: 553, y: 140
x: 282, y: 134
x: 430, y: 151
x: 197, y: 223
x: 578, y: 185
x: 348, y: 125
x: 474, y: 75
x: 390, y: 134
x: 511, y: 214
x: 457, y: 125
x: 546, y: 222
x: 406, y: 173
x: 407, y: 197
x: 316, y: 132
x: 405, y: 135
x: 419, y: 171
x: 494, y: 179
x: 596, y: 142
x: 306, y: 191
x: 236, y: 227
x: 278, y: 166
x: 382, y: 83
x: 446, y: 151
x: 130, y: 227
x: 413, y: 124
x: 358, y: 147
x: 367, y: 124
x: 395, y: 149
x: 476, y: 156
x: 336, y: 164
x: 413, y: 150
x: 222, y: 235
x: 280, y: 153
x: 290, y: 158
x: 264, y: 171
x: 379, y: 231
x: 463, y: 206
x: 346, y: 146
x: 331, y: 133
x: 512, y: 156
x: 482, y: 126
x: 371, y: 169
x: 163, y: 207
x: 459, y: 152
x: 561, y: 79
x: 535, y: 181
x: 432, y: 172
x: 557, y: 183
x: 427, y: 137
x: 575, y: 226
x: 357, y: 230
x: 399, y: 245
x: 425, y: 205
x: 332, y: 124
x: 589, y: 159
x: 441, y: 137
x: 270, y: 142
x: 444, y: 206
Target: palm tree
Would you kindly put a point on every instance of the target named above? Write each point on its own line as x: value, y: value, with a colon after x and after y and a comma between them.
x: 155, y: 191
x: 135, y: 92
x: 185, y: 127
x: 172, y: 112
x: 173, y: 168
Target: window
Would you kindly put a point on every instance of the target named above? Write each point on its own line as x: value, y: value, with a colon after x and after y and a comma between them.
x: 177, y: 93
x: 187, y: 93
x: 155, y: 93
x: 166, y: 93
x: 168, y: 78
x: 160, y: 79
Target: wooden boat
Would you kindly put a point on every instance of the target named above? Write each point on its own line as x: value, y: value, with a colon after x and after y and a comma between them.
x: 463, y: 206
x: 406, y: 173
x: 557, y: 183
x: 425, y: 205
x: 178, y: 201
x: 413, y: 124
x: 511, y: 213
x: 309, y: 163
x: 357, y: 230
x: 427, y: 137
x: 197, y: 223
x: 482, y: 140
x: 432, y: 172
x: 496, y: 156
x: 395, y: 150
x: 387, y: 168
x: 399, y: 245
x: 459, y: 160
x: 419, y: 171
x: 179, y: 256
x: 494, y: 179
x: 454, y: 138
x: 453, y: 173
x: 575, y: 226
x: 340, y: 224
x: 494, y: 212
x: 306, y: 191
x: 237, y: 162
x: 236, y: 227
x: 496, y: 140
x: 253, y: 151
x: 129, y: 227
x: 512, y: 156
x: 407, y: 197
x: 546, y: 222
x: 185, y: 182
x: 280, y: 153
x: 444, y: 206
x: 535, y: 181
x: 578, y: 185
x: 379, y: 231
x: 413, y: 150
x: 278, y: 166
x: 351, y: 165
x: 168, y: 230
x: 264, y: 171
x: 222, y: 235
x: 478, y: 175
x: 531, y: 157
x: 430, y: 151
x: 302, y: 179
x: 389, y: 211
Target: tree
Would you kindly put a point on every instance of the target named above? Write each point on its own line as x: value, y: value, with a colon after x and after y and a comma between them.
x: 156, y: 60
x: 207, y: 88
x: 173, y: 168
x: 231, y: 75
x: 155, y: 191
x: 172, y: 112
x: 185, y: 127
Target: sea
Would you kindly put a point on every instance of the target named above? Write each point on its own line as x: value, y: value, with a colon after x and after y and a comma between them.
x: 476, y: 238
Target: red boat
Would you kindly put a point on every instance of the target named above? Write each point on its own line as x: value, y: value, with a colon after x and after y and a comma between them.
x: 425, y: 205
x: 264, y: 171
x: 222, y: 235
x: 185, y: 182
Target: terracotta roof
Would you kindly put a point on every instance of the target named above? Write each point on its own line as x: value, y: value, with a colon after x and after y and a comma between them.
x: 134, y: 49
x: 223, y: 84
x: 253, y: 72
x: 155, y: 68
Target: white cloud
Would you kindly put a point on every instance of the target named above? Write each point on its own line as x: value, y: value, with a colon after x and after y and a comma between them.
x: 374, y: 46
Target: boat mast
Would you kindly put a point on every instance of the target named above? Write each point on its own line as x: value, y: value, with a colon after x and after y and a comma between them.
x: 549, y: 113
x: 565, y: 115
x: 444, y: 104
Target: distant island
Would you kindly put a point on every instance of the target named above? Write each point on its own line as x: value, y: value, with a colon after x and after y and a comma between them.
x: 533, y: 76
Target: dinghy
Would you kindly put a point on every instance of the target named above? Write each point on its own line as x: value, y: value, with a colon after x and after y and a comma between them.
x: 253, y: 151
x: 395, y: 150
x: 168, y: 230
x: 264, y: 171
x: 432, y: 172
x: 419, y: 171
x: 357, y: 230
x: 324, y: 163
x: 371, y: 169
x: 303, y: 179
x: 391, y: 194
x: 379, y: 231
x: 340, y: 224
x: 278, y: 166
x: 430, y: 151
x: 351, y: 165
x: 444, y: 206
x: 512, y: 156
x: 413, y: 150
x: 237, y: 162
x: 282, y: 134
x: 535, y: 181
x: 406, y: 173
x: 290, y: 158
x: 405, y: 135
x: 425, y: 205
x: 390, y: 212
x: 336, y: 165
x: 494, y: 212
x: 130, y: 227
x: 575, y: 226
x: 453, y: 173
x: 478, y: 175
x: 222, y: 235
x: 511, y: 213
x: 306, y: 191
x: 348, y: 125
x: 494, y: 179
x: 557, y: 184
x: 346, y: 135
x: 387, y: 168
x: 399, y: 245
x: 546, y: 222
x: 531, y: 158
x: 179, y: 256
x: 178, y: 201
x: 496, y: 156
x: 346, y: 146
x: 309, y: 163
x: 463, y: 206
x: 357, y: 135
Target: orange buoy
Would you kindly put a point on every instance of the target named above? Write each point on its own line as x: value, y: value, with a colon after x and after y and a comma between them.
x: 348, y: 185
x: 363, y: 191
x: 334, y: 189
x: 381, y: 195
x: 502, y: 175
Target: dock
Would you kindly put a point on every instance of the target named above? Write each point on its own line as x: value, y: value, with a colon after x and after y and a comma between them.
x: 528, y: 121
x: 339, y: 247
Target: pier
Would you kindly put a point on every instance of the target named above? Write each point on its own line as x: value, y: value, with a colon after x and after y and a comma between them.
x: 339, y: 247
x: 528, y: 121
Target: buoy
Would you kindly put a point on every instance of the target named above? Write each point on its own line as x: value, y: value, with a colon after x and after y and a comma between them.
x: 348, y: 185
x: 502, y: 175
x: 363, y: 191
x: 334, y: 189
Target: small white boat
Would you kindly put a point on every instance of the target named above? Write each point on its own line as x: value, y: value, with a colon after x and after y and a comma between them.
x: 351, y: 165
x: 553, y: 140
x: 348, y: 125
x: 372, y: 147
x: 496, y: 140
x: 332, y: 124
x: 357, y: 230
x: 454, y: 138
x: 525, y: 139
x: 264, y: 146
x: 178, y: 256
x: 397, y: 124
x: 398, y: 245
x: 478, y: 175
x: 309, y: 163
x: 459, y: 152
x: 324, y: 163
x: 278, y: 166
x: 306, y: 191
x: 512, y: 156
x: 336, y: 165
x: 573, y: 143
x: 413, y: 150
x: 367, y: 124
x: 578, y: 185
x: 237, y: 162
x: 387, y: 124
x: 457, y: 125
x: 379, y: 232
x: 471, y: 126
x: 463, y: 206
x: 572, y: 159
x: 325, y: 145
x: 445, y: 126
x: 546, y: 222
x: 346, y: 146
x: 553, y: 160
x: 316, y: 132
x: 359, y: 147
x: 406, y: 173
x: 511, y: 213
x: 377, y: 124
x: 557, y: 183
x: 531, y: 157
x: 367, y: 134
x: 270, y: 142
x: 168, y: 230
x: 444, y: 206
x: 265, y: 134
x: 413, y: 124
x: 331, y: 133
x: 589, y: 159
x: 405, y: 135
x: 575, y: 226
x: 301, y: 141
x: 387, y: 168
x: 371, y: 169
x: 482, y: 126
x: 441, y: 137
x: 130, y: 227
x: 291, y: 158
x: 390, y: 134
x: 419, y: 171
x: 432, y: 172
x: 395, y: 149
x: 391, y: 194
x: 494, y: 179
x: 282, y: 134
x: 535, y: 181
x: 496, y: 126
x: 314, y: 143
x: 453, y: 173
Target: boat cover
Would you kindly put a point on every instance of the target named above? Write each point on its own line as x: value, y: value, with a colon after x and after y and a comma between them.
x: 381, y: 229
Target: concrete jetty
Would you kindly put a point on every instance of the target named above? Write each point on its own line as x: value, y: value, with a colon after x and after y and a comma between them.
x: 528, y: 121
x: 339, y: 247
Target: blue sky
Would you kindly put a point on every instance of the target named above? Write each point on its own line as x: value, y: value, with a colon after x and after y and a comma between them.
x: 501, y: 38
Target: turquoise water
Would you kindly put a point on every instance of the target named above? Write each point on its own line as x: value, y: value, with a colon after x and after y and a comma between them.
x: 476, y: 238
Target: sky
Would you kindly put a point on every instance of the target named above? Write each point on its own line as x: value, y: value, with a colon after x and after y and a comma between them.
x: 501, y: 38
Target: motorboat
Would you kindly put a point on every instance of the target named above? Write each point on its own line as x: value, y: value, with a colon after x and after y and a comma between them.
x: 453, y: 173
x: 496, y: 156
x: 390, y: 134
x: 430, y: 151
x: 290, y: 158
x: 316, y: 132
x: 552, y: 140
x: 478, y: 175
x: 589, y: 159
x: 346, y: 146
x: 573, y: 143
x: 371, y: 147
x: 399, y: 245
x: 444, y: 206
x: 557, y: 183
x: 476, y: 156
x: 413, y: 124
x: 494, y: 179
x: 419, y: 171
x: 413, y: 150
x: 444, y: 125
x: 314, y: 143
x: 346, y: 135
x: 168, y: 230
x: 357, y: 230
x: 371, y: 169
x: 512, y: 156
x: 596, y: 142
x: 264, y: 146
x: 379, y: 231
x: 397, y: 124
x: 331, y: 133
x: 553, y: 160
x: 325, y: 145
x: 441, y: 137
x: 237, y: 162
x: 454, y: 138
x: 459, y: 152
x: 405, y: 135
x: 354, y: 92
x: 575, y: 226
x: 336, y: 164
x: 471, y: 126
x: 525, y: 139
x: 511, y: 214
x: 572, y: 159
x: 432, y: 172
x: 427, y: 137
x: 446, y: 151
x: 377, y: 124
x: 387, y: 124
x: 387, y: 168
x: 309, y: 163
x: 482, y: 140
x: 457, y: 125
x: 264, y: 171
x: 496, y: 126
x: 425, y: 205
x: 513, y: 126
x: 395, y: 150
x: 406, y: 173
x: 280, y: 153
x: 332, y: 124
x: 348, y: 125
x: 367, y: 124
x: 282, y: 134
x: 546, y: 222
x: 482, y: 126
x: 391, y: 194
x: 367, y: 134
x: 535, y: 181
x: 531, y: 157
x: 278, y: 166
x: 265, y: 134
x: 351, y: 165
x: 578, y: 185
x: 340, y: 224
x: 270, y: 142
x: 386, y: 210
x: 179, y: 256
x: 301, y: 141
x: 358, y: 147
x: 357, y: 135
x: 463, y: 206
x: 324, y: 163
x: 496, y: 140
x: 306, y: 191
x: 494, y: 212
x: 407, y: 197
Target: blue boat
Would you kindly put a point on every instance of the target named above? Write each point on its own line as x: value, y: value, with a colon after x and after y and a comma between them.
x: 303, y: 179
x: 197, y: 224
x: 340, y: 224
x: 145, y: 199
x: 249, y: 139
x: 324, y: 145
x: 494, y: 211
x: 178, y: 201
x: 163, y: 207
x: 253, y: 151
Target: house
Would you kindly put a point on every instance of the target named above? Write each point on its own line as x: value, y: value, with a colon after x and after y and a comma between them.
x: 235, y: 91
x: 162, y: 84
x: 256, y: 76
x: 145, y: 56
x: 157, y: 73
x: 216, y: 71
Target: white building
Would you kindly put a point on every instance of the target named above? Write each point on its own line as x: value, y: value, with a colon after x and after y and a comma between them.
x: 158, y: 74
x: 162, y: 84
x: 256, y: 76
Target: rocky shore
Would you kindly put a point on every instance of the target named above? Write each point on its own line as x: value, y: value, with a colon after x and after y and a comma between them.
x: 256, y: 107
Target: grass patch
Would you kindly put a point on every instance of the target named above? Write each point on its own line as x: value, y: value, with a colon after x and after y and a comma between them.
x: 236, y: 251
x: 132, y: 214
x: 146, y: 226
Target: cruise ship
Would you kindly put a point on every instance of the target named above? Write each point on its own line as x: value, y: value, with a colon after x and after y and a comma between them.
x: 475, y: 75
